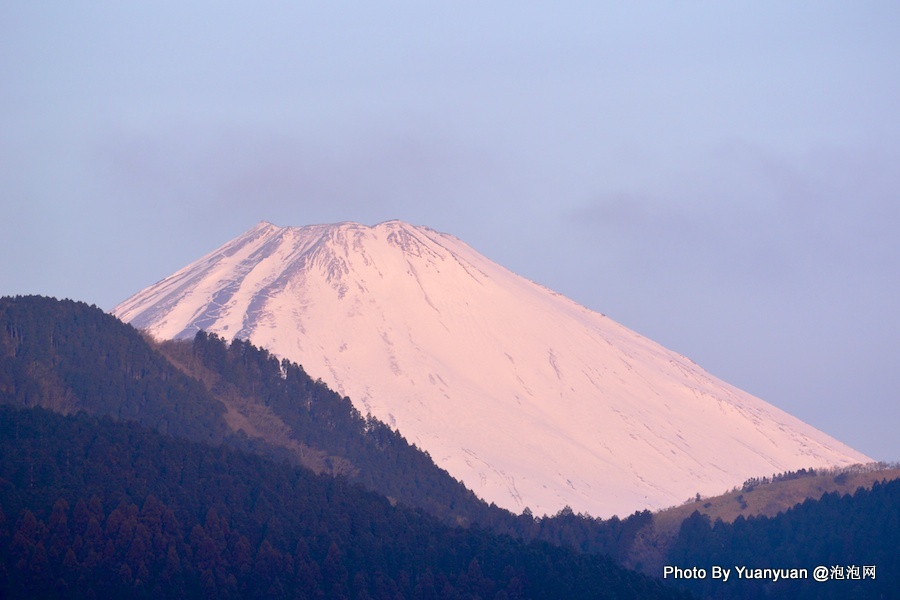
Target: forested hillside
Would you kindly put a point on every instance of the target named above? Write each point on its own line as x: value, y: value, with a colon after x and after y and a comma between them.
x: 202, y: 440
x: 69, y: 356
x: 94, y: 508
x: 855, y: 537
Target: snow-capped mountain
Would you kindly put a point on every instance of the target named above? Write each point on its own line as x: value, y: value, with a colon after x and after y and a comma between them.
x: 527, y: 397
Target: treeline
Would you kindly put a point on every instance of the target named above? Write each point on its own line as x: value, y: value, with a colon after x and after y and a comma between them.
x: 383, y: 460
x: 95, y: 508
x: 842, y: 533
x: 840, y: 474
x: 375, y: 455
x: 753, y: 482
x: 69, y: 356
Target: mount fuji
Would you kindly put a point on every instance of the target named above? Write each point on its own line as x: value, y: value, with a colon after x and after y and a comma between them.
x: 527, y: 397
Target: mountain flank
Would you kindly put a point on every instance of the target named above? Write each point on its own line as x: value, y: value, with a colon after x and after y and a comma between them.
x: 530, y: 399
x: 52, y: 349
x: 233, y: 521
x: 70, y: 357
x: 216, y: 507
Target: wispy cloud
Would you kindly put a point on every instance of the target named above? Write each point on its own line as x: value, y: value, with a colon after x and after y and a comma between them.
x: 372, y: 174
x: 749, y: 215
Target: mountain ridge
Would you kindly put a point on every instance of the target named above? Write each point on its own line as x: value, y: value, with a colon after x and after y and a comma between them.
x: 76, y: 359
x: 528, y: 397
x: 73, y: 358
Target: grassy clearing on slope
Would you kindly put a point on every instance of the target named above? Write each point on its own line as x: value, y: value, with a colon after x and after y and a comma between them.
x: 761, y: 496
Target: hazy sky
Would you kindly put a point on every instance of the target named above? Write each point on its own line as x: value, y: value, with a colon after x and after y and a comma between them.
x: 723, y: 178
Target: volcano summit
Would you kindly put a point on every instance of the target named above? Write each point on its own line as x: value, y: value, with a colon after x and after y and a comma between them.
x: 527, y: 397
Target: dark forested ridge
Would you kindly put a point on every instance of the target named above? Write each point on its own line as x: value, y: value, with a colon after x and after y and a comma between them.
x: 198, y: 407
x: 95, y: 508
x: 69, y: 356
x: 380, y: 458
x: 360, y: 448
x: 854, y: 536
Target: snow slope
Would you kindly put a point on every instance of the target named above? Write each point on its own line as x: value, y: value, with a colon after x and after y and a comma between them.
x: 527, y: 397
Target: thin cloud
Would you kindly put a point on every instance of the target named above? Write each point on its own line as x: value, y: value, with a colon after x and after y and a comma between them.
x: 752, y: 216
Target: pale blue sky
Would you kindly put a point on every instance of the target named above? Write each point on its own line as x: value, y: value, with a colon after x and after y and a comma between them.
x: 721, y: 177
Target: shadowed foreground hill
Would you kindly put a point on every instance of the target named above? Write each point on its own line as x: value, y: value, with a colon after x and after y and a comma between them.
x: 758, y: 497
x: 96, y: 508
x: 73, y: 358
x: 68, y: 356
x: 234, y: 397
x: 853, y: 536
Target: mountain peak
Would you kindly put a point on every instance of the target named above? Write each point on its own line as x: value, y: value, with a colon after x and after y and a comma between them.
x: 527, y: 397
